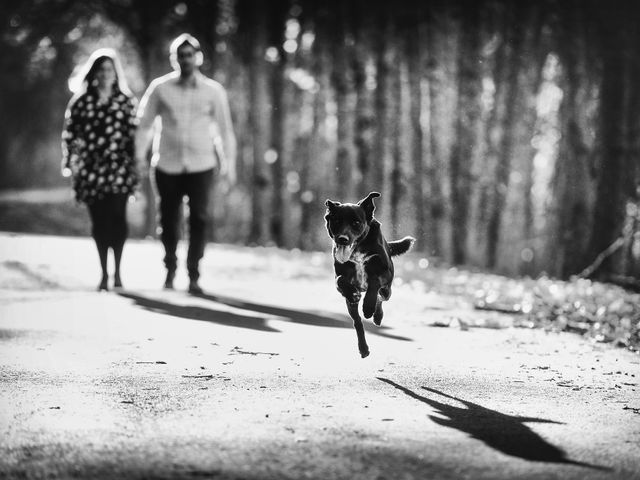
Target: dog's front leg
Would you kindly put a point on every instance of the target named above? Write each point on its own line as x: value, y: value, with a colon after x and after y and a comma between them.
x: 346, y: 281
x: 374, y: 268
x: 347, y: 289
x: 371, y: 298
x: 357, y: 324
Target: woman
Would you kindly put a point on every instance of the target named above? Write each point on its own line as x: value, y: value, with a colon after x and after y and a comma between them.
x: 97, y: 146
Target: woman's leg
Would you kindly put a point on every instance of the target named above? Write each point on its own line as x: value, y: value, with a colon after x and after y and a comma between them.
x: 119, y: 233
x: 99, y: 213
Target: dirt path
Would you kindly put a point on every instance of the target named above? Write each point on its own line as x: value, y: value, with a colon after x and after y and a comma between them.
x: 261, y: 378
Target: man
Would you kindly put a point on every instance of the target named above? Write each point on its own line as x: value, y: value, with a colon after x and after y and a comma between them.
x: 187, y: 116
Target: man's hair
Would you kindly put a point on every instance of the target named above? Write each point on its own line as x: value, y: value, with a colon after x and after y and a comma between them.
x: 179, y: 41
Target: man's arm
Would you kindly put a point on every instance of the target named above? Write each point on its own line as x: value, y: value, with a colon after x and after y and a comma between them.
x: 146, y: 115
x: 223, y: 119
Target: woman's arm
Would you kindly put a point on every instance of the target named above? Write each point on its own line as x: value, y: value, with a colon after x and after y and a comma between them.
x: 71, y: 136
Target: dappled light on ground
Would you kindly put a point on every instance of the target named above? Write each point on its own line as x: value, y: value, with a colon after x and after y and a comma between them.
x: 602, y: 312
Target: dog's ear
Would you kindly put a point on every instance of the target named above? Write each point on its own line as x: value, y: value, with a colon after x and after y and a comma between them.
x: 331, y: 204
x: 368, y: 206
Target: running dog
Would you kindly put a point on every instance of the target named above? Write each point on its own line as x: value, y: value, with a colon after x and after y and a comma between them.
x: 362, y: 260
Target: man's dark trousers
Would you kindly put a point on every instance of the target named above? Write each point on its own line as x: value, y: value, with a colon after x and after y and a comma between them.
x: 172, y: 188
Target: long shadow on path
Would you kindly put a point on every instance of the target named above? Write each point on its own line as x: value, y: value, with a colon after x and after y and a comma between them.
x: 193, y: 312
x: 505, y: 433
x: 304, y: 318
x: 224, y: 317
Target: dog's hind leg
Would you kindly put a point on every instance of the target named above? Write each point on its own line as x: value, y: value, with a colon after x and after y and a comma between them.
x: 379, y: 313
x: 357, y: 324
x: 383, y: 294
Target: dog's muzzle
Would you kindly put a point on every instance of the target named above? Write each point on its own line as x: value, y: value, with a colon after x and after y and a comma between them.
x: 342, y: 240
x: 342, y: 253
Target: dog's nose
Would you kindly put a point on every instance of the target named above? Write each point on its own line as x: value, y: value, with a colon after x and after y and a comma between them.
x: 342, y: 240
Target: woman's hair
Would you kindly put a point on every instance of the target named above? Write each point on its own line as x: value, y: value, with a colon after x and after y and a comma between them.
x: 82, y: 78
x: 180, y: 40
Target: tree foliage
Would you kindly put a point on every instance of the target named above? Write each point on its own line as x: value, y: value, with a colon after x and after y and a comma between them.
x: 503, y: 134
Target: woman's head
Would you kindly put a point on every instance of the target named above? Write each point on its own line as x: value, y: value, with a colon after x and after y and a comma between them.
x: 102, y: 73
x: 102, y: 69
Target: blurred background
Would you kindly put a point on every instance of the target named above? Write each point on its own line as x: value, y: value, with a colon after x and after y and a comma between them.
x: 504, y: 135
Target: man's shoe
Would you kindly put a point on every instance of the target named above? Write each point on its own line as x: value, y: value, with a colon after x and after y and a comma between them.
x: 194, y: 288
x: 104, y: 284
x: 168, y: 283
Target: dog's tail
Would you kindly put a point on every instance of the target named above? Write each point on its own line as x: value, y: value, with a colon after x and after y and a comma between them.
x: 398, y: 247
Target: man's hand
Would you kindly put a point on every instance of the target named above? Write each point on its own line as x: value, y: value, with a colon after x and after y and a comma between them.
x: 229, y: 172
x: 227, y: 168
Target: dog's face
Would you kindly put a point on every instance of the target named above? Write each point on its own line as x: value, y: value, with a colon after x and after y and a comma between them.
x: 348, y: 223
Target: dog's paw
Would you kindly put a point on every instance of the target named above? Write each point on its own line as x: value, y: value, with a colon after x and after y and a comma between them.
x: 378, y: 314
x: 364, y: 353
x: 369, y: 305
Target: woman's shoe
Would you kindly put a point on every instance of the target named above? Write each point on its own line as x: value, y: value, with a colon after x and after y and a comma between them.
x: 168, y: 283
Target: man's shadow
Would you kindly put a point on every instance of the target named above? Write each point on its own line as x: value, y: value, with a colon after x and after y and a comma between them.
x: 192, y: 312
x: 505, y: 433
x: 323, y: 319
x: 223, y: 317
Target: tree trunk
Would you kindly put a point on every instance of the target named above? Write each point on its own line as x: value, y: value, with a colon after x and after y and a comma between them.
x: 617, y: 181
x: 313, y: 179
x: 293, y: 165
x: 413, y: 41
x: 570, y: 211
x: 258, y: 123
x: 383, y: 126
x: 396, y: 168
x: 278, y: 116
x: 515, y: 242
x: 485, y: 189
x: 631, y: 254
x: 610, y: 205
x: 466, y: 145
x: 343, y: 84
x: 277, y: 14
x: 364, y: 118
x: 441, y: 72
x: 514, y: 44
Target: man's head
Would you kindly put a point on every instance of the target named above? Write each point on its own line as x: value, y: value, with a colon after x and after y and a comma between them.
x: 185, y: 54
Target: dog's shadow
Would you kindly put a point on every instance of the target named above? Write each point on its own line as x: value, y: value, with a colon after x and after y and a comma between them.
x: 232, y: 319
x: 505, y: 433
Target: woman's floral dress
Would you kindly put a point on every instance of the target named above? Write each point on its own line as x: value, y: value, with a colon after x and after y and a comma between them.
x: 98, y: 145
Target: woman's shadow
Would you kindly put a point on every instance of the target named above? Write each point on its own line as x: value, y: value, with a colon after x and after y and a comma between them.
x: 505, y: 433
x: 194, y: 312
x: 255, y: 322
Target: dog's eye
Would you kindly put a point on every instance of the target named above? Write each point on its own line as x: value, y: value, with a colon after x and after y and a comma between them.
x: 356, y: 223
